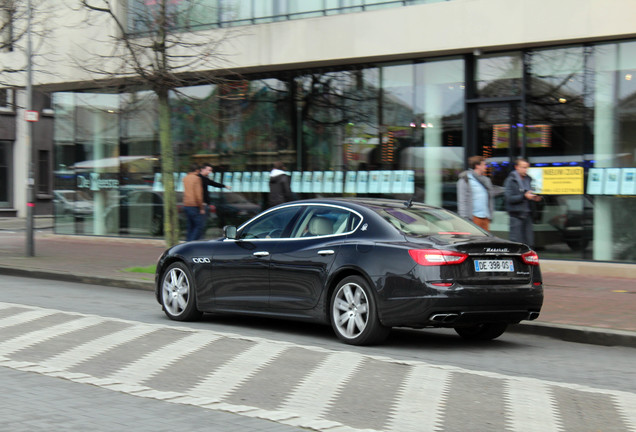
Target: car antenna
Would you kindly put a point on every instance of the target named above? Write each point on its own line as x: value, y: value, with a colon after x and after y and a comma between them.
x: 409, y: 203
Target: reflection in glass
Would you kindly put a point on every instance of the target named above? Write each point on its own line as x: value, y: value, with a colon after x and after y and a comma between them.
x: 499, y: 75
x: 337, y: 115
x: 556, y: 104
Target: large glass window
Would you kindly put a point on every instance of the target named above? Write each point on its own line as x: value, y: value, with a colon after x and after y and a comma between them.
x: 337, y: 120
x: 87, y: 160
x: 185, y: 15
x: 613, y: 162
x: 440, y: 105
x: 557, y: 113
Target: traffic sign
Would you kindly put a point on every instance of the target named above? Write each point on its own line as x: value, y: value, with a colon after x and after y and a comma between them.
x: 31, y: 115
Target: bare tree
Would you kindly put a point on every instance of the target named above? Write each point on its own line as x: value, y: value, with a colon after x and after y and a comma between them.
x: 161, y: 45
x: 13, y: 35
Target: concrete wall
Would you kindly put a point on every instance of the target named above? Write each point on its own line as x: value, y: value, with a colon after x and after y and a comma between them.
x: 451, y: 27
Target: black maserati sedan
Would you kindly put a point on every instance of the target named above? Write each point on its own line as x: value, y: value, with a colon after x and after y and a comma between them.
x: 361, y: 265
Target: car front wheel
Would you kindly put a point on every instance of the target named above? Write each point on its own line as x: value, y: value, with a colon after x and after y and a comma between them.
x: 178, y: 295
x: 354, y: 315
x: 485, y: 331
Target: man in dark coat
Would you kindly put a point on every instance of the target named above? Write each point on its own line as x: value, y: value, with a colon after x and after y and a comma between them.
x: 279, y: 185
x: 519, y: 196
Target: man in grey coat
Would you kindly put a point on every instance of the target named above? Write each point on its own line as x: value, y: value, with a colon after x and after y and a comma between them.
x: 519, y: 196
x: 475, y: 200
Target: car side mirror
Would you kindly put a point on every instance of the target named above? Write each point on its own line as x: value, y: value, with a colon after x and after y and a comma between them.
x: 229, y: 232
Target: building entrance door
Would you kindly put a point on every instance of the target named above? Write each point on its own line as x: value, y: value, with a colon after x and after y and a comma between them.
x: 5, y: 173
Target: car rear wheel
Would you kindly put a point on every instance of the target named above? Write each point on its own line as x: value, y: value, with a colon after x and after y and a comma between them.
x: 178, y: 295
x: 354, y: 315
x: 485, y: 331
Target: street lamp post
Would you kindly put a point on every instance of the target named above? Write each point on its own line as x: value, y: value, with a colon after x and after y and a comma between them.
x: 28, y: 137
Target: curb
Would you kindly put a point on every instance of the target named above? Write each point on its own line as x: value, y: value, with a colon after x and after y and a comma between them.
x: 579, y: 334
x: 569, y: 333
x: 79, y: 278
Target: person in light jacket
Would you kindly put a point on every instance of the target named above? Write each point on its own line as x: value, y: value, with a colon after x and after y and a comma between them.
x: 475, y: 200
x: 279, y: 185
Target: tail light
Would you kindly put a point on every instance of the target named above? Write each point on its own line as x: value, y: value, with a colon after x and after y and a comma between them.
x: 530, y: 258
x: 434, y: 257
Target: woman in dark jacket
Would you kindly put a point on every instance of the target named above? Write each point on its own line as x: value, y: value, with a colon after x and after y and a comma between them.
x: 279, y: 185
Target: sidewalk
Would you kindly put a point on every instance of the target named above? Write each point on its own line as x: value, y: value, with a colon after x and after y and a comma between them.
x: 584, y: 302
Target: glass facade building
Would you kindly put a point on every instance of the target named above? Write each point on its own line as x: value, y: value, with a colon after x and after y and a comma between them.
x: 389, y: 129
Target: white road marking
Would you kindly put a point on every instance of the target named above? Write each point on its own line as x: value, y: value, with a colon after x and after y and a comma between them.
x: 530, y: 407
x: 89, y: 350
x: 156, y: 361
x: 31, y: 338
x: 420, y: 402
x: 226, y: 378
x: 311, y: 398
x: 24, y: 317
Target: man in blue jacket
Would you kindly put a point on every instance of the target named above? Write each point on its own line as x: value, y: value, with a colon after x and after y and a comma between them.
x: 519, y: 196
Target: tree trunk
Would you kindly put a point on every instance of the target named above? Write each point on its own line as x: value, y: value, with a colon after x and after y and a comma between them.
x: 170, y: 214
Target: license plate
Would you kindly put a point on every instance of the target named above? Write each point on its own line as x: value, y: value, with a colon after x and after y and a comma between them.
x: 494, y: 266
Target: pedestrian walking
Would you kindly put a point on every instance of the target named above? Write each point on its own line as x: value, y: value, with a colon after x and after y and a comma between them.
x: 206, y: 181
x: 519, y: 202
x: 193, y: 204
x: 279, y: 185
x: 475, y: 196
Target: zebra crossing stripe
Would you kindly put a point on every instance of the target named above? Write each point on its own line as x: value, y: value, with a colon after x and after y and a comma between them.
x: 531, y: 407
x: 88, y: 350
x: 35, y: 337
x: 227, y: 377
x: 626, y: 407
x: 24, y: 317
x: 420, y: 403
x: 312, y: 397
x: 158, y: 360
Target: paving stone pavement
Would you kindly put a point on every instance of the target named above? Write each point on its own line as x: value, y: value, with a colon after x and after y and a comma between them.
x: 290, y: 385
x: 41, y: 403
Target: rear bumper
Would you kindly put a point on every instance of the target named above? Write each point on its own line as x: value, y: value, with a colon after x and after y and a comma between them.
x: 464, y: 305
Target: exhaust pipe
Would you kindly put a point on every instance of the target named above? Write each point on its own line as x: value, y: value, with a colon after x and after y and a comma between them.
x: 444, y: 318
x: 533, y: 315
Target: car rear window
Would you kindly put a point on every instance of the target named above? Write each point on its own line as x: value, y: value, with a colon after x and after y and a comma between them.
x: 419, y: 222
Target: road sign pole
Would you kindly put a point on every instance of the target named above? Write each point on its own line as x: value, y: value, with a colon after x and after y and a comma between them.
x: 30, y: 248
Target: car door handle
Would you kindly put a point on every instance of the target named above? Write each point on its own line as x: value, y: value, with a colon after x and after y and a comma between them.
x: 260, y: 254
x: 325, y: 252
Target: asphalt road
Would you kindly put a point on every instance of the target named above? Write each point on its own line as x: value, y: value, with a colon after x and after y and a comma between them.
x: 283, y: 376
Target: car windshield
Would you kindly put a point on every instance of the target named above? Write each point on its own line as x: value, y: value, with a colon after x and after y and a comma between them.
x: 419, y: 222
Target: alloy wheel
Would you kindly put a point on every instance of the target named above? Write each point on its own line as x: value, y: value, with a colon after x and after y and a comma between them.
x: 351, y: 310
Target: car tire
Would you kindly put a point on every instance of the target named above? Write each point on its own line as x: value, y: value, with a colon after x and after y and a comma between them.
x: 178, y: 296
x: 484, y: 331
x: 354, y: 315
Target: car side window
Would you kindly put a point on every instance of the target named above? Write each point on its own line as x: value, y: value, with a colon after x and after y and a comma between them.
x: 322, y: 221
x: 269, y: 226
